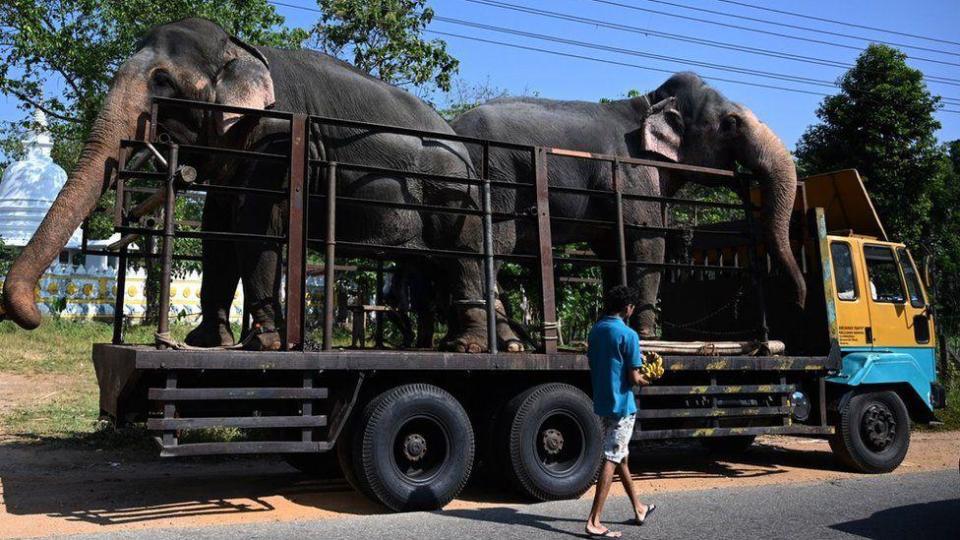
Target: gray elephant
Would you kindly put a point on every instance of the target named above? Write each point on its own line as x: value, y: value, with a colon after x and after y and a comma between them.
x: 683, y: 120
x: 196, y: 59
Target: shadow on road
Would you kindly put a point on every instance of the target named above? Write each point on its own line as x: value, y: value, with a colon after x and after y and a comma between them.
x: 931, y: 520
x: 87, y: 486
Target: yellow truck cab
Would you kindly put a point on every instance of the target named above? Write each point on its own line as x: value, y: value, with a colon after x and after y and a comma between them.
x: 882, y: 315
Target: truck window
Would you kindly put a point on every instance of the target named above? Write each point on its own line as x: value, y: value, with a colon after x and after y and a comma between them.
x: 884, y: 274
x: 843, y: 271
x: 910, y: 275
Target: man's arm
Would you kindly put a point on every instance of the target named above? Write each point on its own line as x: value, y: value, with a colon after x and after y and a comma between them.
x: 633, y: 359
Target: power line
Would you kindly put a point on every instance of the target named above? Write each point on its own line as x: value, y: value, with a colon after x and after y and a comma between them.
x: 615, y: 62
x: 759, y: 31
x: 842, y: 23
x: 683, y: 61
x: 804, y: 28
x: 589, y: 58
x: 664, y: 58
x: 685, y: 38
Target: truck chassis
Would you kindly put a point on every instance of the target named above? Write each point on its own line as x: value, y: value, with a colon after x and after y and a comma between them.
x: 407, y: 427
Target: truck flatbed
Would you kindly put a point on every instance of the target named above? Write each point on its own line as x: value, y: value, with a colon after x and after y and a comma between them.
x: 150, y: 358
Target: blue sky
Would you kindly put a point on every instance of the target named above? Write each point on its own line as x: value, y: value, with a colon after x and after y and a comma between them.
x: 519, y: 71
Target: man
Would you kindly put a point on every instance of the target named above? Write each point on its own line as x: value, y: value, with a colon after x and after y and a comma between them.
x: 615, y: 361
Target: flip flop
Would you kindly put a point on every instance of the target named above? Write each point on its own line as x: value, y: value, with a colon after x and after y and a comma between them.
x: 650, y: 509
x: 606, y: 533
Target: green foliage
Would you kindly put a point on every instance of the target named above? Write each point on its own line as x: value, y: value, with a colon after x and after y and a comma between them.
x: 81, y: 43
x: 464, y: 96
x: 384, y: 38
x: 882, y: 124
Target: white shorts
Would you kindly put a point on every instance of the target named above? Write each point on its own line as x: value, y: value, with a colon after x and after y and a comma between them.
x: 617, y: 432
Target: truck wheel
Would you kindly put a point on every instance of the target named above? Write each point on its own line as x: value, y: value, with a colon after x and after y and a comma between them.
x: 553, y: 445
x: 322, y: 465
x: 873, y: 433
x: 728, y: 445
x: 414, y: 448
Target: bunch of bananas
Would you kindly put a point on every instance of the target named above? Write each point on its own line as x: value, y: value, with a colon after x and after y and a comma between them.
x: 652, y: 366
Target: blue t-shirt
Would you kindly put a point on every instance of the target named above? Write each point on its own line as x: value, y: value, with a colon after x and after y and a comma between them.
x: 613, y: 348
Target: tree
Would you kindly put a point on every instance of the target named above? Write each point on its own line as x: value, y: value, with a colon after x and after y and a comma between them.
x: 944, y: 241
x: 384, y: 38
x: 882, y: 124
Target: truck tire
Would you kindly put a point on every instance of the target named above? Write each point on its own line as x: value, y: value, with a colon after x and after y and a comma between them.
x: 321, y: 465
x: 873, y: 434
x: 413, y: 448
x: 728, y: 445
x: 552, y: 442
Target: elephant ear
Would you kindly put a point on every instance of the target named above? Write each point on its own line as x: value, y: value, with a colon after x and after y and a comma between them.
x: 663, y: 129
x: 243, y: 81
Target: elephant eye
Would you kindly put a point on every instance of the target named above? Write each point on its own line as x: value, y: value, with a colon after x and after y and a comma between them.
x: 162, y: 83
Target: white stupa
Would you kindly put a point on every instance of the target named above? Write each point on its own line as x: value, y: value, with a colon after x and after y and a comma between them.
x: 29, y: 188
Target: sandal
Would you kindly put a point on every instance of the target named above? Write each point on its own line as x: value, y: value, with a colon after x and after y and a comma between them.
x: 606, y: 533
x: 650, y: 509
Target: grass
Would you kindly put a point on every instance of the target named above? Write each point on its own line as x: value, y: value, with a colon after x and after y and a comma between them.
x: 60, y: 351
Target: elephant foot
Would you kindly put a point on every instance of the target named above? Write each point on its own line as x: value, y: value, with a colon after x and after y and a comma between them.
x: 263, y: 338
x: 464, y: 344
x: 210, y: 335
x: 473, y: 337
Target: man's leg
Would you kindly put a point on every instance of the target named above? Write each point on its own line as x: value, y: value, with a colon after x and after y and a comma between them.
x: 600, y: 497
x: 623, y: 469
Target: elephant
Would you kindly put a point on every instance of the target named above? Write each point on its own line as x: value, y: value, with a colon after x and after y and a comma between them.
x: 684, y: 121
x: 195, y: 59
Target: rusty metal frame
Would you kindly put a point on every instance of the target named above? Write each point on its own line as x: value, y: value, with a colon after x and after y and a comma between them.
x: 298, y: 196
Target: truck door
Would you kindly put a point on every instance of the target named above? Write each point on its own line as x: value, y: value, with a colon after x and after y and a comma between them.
x: 853, y: 316
x: 918, y: 320
x: 887, y: 299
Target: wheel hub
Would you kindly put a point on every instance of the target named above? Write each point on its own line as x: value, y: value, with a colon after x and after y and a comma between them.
x: 879, y: 426
x: 414, y: 447
x: 552, y: 441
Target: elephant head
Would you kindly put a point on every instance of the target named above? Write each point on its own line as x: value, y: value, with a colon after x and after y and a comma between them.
x: 691, y: 123
x: 191, y: 59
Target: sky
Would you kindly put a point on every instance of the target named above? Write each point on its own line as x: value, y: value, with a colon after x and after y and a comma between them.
x: 788, y: 113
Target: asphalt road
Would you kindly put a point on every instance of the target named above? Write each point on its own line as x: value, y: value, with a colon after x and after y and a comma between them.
x: 917, y: 505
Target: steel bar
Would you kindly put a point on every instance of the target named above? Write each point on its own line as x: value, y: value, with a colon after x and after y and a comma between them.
x: 296, y: 235
x: 416, y: 132
x: 170, y: 410
x: 714, y: 412
x: 649, y: 198
x: 208, y: 106
x: 118, y: 305
x: 490, y: 278
x: 621, y: 237
x: 201, y: 149
x: 330, y: 258
x: 424, y: 176
x: 732, y: 431
x: 610, y: 262
x: 169, y: 231
x: 643, y: 162
x: 245, y: 447
x: 257, y: 393
x: 545, y: 243
x: 307, y: 422
x: 378, y: 301
x: 721, y: 389
x: 762, y: 330
x: 612, y: 224
x: 426, y: 208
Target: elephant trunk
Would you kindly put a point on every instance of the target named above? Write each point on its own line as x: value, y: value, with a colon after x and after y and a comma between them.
x: 73, y: 204
x: 764, y: 153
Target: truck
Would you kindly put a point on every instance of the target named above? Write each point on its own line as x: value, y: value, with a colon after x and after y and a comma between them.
x: 407, y: 428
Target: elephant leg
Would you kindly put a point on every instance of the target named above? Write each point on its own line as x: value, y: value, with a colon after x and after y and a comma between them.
x: 646, y: 281
x: 260, y: 268
x: 221, y: 274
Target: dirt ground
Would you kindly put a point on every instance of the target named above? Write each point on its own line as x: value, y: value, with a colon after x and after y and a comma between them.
x: 46, y: 491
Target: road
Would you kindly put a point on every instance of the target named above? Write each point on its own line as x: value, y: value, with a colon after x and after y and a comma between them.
x: 918, y: 505
x: 46, y: 491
